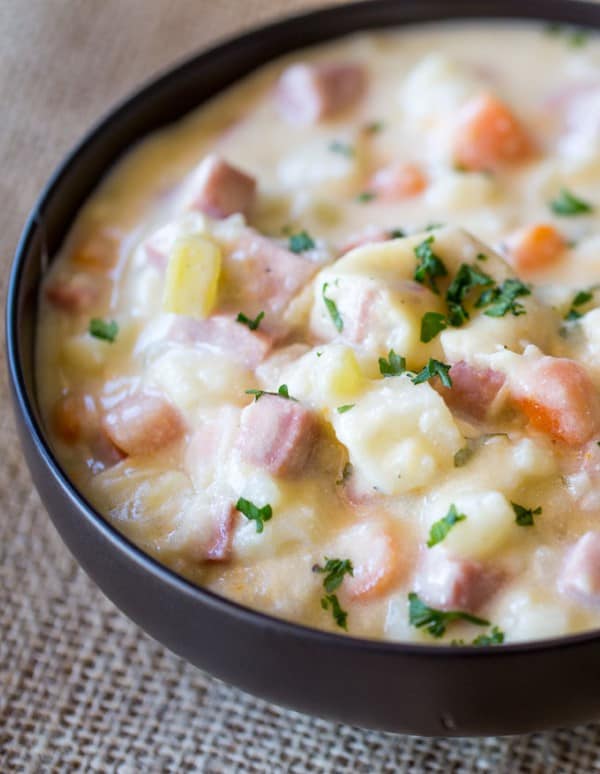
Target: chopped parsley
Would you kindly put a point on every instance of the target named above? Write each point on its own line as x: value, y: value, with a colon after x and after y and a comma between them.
x: 343, y: 148
x: 340, y: 616
x: 567, y: 204
x: 300, y: 242
x: 346, y: 473
x: 524, y: 516
x: 467, y: 278
x: 481, y: 257
x: 282, y: 392
x: 432, y: 369
x: 580, y: 299
x: 396, y: 233
x: 502, y: 298
x: 254, y: 513
x: 435, y: 621
x: 573, y: 36
x: 333, y: 310
x: 429, y: 266
x: 334, y: 571
x: 252, y: 324
x: 103, y: 329
x: 374, y: 127
x: 345, y: 407
x: 365, y: 196
x: 432, y: 323
x: 441, y: 528
x: 463, y: 455
x: 495, y: 637
x: 393, y: 366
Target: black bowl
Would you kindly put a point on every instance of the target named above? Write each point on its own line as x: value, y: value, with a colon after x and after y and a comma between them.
x: 418, y: 689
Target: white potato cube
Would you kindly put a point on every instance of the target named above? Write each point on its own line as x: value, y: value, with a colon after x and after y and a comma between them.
x: 192, y: 277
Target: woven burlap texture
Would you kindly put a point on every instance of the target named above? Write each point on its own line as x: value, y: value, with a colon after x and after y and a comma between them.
x: 81, y: 687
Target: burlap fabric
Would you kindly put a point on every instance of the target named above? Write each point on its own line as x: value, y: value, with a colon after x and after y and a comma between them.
x: 81, y: 687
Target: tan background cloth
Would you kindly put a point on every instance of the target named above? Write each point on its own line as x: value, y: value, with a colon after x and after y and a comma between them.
x: 81, y: 687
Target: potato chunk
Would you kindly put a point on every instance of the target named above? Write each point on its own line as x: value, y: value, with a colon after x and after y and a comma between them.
x: 192, y: 277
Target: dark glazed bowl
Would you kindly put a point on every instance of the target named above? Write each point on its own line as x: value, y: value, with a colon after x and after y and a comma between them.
x: 417, y: 689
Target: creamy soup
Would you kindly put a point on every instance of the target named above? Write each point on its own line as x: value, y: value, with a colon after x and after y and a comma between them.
x: 330, y: 346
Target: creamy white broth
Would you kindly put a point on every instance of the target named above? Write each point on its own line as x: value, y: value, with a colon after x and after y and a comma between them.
x: 365, y: 484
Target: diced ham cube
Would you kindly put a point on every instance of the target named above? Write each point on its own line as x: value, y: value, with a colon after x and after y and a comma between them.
x: 143, y: 423
x: 307, y: 94
x: 371, y: 235
x: 398, y: 181
x: 473, y: 390
x: 263, y: 276
x: 559, y: 399
x: 219, y: 548
x: 278, y: 435
x: 449, y: 583
x: 488, y: 135
x: 375, y: 560
x: 100, y: 250
x: 75, y: 294
x: 219, y: 189
x: 73, y: 416
x: 580, y: 573
x: 224, y: 333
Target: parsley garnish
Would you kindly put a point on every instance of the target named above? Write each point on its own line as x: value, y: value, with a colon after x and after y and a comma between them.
x: 441, y: 528
x: 253, y: 513
x: 463, y: 455
x: 333, y: 310
x: 374, y: 127
x: 101, y: 329
x: 282, y: 392
x: 574, y: 37
x: 345, y: 407
x: 339, y: 616
x: 580, y: 299
x: 566, y: 203
x: 502, y: 298
x: 396, y: 233
x: 300, y: 242
x: 432, y: 323
x: 343, y: 148
x: 496, y: 637
x: 436, y: 621
x: 481, y: 257
x: 252, y: 324
x: 334, y: 570
x: 467, y: 278
x: 430, y: 265
x: 434, y: 368
x: 524, y: 516
x: 393, y: 366
x: 365, y: 196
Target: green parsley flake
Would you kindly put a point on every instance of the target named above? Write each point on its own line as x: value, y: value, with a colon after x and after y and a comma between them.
x: 502, y: 298
x: 282, y: 392
x: 396, y: 233
x: 580, y: 299
x: 435, y: 621
x: 441, y: 528
x: 496, y: 637
x: 463, y: 455
x: 567, y: 204
x: 254, y: 513
x: 334, y: 571
x: 344, y: 408
x: 374, y: 127
x: 432, y: 369
x: 340, y: 616
x: 432, y: 323
x: 524, y: 516
x: 252, y: 324
x: 300, y: 242
x: 365, y: 196
x: 430, y: 265
x: 343, y: 148
x: 333, y: 310
x: 393, y: 366
x: 481, y: 257
x: 467, y: 278
x: 103, y: 329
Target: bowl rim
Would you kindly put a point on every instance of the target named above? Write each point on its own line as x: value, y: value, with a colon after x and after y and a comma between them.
x: 542, y: 11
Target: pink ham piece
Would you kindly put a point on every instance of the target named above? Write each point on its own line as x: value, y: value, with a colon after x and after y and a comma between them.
x: 371, y: 235
x: 375, y: 558
x: 264, y: 277
x: 225, y: 334
x: 559, y: 399
x: 219, y: 189
x: 74, y: 294
x: 580, y: 573
x: 450, y: 583
x: 307, y: 94
x: 217, y: 546
x: 278, y: 435
x: 143, y: 423
x: 473, y: 390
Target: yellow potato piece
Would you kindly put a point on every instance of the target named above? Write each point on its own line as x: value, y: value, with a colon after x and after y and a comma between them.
x: 192, y: 277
